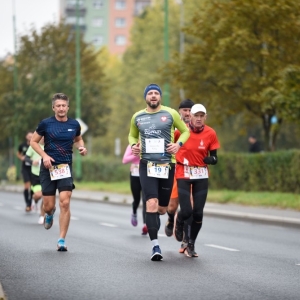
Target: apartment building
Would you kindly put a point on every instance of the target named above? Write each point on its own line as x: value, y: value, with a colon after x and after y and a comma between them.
x: 104, y: 22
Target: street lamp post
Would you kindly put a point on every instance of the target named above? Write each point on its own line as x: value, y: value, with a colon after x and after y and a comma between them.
x: 181, y: 39
x: 15, y: 70
x: 78, y: 170
x: 166, y: 51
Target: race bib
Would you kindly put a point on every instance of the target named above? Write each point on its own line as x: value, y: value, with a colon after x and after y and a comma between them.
x: 155, y: 145
x: 134, y: 170
x: 60, y: 171
x: 158, y: 170
x: 198, y: 172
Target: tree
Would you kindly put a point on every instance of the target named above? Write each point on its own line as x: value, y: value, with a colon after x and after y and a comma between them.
x: 239, y: 51
x: 141, y: 64
x: 46, y: 65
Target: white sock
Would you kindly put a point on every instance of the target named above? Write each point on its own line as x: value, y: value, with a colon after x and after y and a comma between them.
x: 154, y: 243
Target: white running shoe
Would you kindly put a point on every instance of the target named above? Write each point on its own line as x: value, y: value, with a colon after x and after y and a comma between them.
x: 41, y: 220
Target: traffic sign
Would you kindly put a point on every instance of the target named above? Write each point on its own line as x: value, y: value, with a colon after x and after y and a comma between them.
x: 83, y: 126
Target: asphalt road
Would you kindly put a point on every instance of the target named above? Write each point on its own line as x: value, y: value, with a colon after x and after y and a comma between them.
x: 110, y: 259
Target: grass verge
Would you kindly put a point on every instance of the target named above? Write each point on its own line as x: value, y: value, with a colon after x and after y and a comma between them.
x: 267, y: 199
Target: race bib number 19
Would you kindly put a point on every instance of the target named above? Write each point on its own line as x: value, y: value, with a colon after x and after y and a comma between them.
x: 158, y: 170
x: 60, y: 171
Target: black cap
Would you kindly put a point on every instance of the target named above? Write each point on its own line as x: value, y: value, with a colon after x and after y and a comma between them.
x: 187, y: 103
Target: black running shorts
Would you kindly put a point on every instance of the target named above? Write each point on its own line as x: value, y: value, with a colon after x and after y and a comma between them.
x: 35, y: 180
x: 26, y: 173
x: 159, y: 188
x: 49, y: 186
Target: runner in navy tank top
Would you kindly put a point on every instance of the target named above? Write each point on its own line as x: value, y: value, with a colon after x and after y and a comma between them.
x: 60, y: 134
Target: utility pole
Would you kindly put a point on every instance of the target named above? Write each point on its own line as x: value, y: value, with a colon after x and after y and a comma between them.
x: 78, y: 170
x: 16, y: 138
x: 166, y: 91
x: 181, y: 47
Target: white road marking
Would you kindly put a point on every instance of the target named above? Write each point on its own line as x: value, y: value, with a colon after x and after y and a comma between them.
x: 161, y: 235
x: 108, y: 225
x: 74, y: 218
x: 18, y: 207
x: 220, y: 247
x: 297, y: 264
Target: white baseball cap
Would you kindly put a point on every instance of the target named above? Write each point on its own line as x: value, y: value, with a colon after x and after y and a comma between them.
x: 197, y: 108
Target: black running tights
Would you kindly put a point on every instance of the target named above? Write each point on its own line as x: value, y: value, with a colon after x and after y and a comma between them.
x: 136, y: 190
x: 199, y: 190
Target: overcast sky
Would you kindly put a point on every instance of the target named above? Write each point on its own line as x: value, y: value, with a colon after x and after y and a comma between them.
x: 27, y: 12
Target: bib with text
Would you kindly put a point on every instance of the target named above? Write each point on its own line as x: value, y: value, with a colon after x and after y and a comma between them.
x: 158, y: 170
x: 134, y: 170
x: 60, y: 171
x: 155, y: 145
x: 195, y: 172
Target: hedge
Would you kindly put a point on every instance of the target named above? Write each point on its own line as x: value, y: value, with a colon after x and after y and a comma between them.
x: 269, y: 171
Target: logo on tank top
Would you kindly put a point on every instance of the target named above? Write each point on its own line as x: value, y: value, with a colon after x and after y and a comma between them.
x: 164, y: 119
x: 201, y: 146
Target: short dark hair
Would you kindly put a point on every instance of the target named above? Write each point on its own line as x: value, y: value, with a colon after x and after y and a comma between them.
x: 59, y: 96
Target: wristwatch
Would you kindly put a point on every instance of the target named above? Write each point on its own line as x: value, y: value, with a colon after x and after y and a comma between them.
x: 180, y: 144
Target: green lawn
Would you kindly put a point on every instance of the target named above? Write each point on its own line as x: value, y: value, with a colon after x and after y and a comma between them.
x: 279, y: 200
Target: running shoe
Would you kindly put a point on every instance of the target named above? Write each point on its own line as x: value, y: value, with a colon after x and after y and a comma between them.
x: 190, y: 251
x: 169, y: 228
x: 48, y: 220
x: 179, y: 231
x: 28, y: 208
x: 156, y: 254
x: 41, y: 220
x: 34, y: 207
x: 144, y: 230
x: 183, y: 247
x: 61, y: 246
x: 134, y: 220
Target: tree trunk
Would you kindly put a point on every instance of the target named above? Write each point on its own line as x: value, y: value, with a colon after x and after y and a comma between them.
x: 266, y: 126
x: 271, y: 129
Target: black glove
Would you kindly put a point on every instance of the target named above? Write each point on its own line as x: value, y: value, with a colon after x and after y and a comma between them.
x: 210, y: 160
x: 28, y: 161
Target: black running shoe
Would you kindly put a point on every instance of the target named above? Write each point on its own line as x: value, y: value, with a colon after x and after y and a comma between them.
x: 169, y: 228
x: 190, y: 251
x: 179, y: 231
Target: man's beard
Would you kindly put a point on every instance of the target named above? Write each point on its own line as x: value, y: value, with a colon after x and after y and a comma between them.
x: 153, y: 105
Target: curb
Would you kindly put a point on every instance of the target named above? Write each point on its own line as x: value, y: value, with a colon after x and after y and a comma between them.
x: 2, y: 295
x: 125, y: 200
x: 251, y: 217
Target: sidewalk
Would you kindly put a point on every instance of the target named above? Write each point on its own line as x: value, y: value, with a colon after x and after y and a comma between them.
x: 282, y: 217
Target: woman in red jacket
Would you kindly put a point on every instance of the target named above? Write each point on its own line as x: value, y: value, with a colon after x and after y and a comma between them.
x: 192, y: 174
